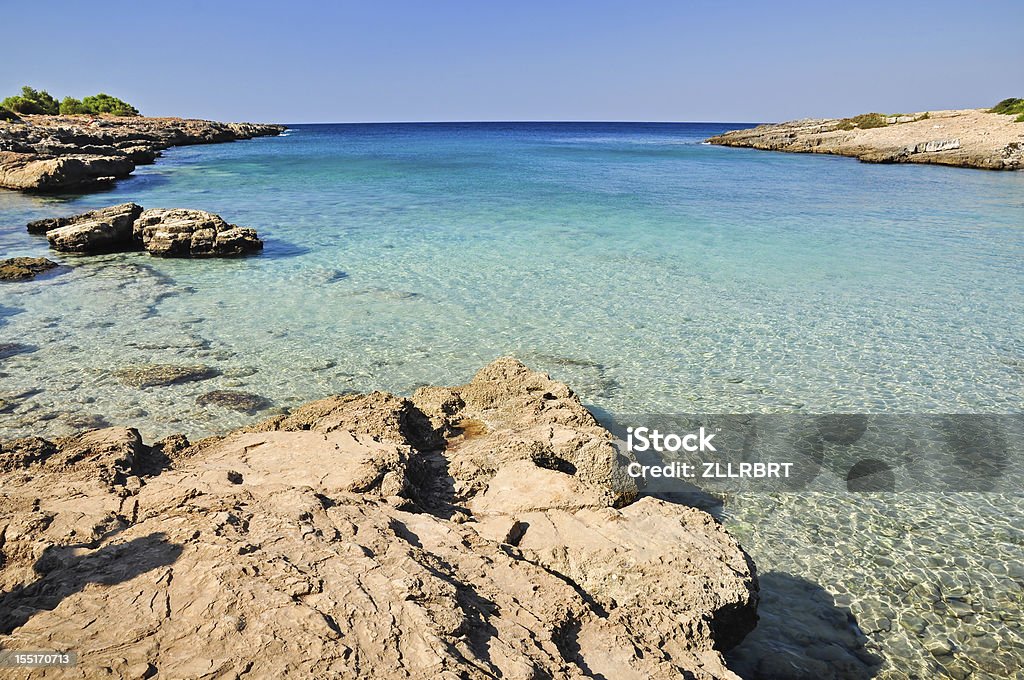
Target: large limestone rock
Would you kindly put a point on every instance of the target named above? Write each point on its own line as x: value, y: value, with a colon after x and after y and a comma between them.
x: 164, y: 232
x: 326, y: 543
x: 106, y: 230
x: 121, y: 216
x: 29, y: 171
x: 179, y: 232
x: 96, y: 231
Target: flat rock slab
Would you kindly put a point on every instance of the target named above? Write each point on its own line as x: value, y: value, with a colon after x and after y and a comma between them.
x: 23, y: 268
x: 973, y: 138
x: 336, y: 542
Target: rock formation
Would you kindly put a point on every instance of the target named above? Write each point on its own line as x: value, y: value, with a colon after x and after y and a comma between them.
x: 61, y: 153
x: 21, y: 268
x: 193, y: 233
x: 468, y: 532
x: 971, y: 138
x: 174, y: 232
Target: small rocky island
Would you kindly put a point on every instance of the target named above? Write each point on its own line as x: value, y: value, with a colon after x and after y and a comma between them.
x: 483, y: 530
x: 164, y: 232
x: 51, y: 153
x: 971, y: 138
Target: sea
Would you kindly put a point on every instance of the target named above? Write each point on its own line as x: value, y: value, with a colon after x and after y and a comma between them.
x: 652, y: 272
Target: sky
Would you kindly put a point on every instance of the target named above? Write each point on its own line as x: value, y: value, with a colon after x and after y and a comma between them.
x: 437, y: 60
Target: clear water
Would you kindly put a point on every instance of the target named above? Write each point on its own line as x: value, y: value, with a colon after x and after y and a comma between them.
x: 649, y: 271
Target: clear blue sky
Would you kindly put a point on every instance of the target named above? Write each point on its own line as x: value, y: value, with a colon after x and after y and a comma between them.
x: 377, y: 60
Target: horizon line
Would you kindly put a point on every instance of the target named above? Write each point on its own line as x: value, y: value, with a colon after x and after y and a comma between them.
x: 524, y: 122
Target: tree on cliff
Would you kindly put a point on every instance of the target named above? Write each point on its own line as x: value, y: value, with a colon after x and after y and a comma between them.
x: 41, y: 102
x: 104, y: 103
x: 31, y: 101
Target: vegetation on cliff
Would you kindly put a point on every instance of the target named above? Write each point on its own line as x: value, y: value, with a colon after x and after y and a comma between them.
x: 1010, y: 107
x: 32, y: 101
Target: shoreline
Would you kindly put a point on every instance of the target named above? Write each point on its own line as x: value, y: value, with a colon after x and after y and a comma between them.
x: 52, y: 154
x: 965, y: 138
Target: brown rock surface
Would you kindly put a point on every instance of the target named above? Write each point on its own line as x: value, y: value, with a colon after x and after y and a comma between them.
x: 21, y: 268
x: 164, y: 232
x: 332, y: 543
x: 60, y: 153
x: 179, y: 232
x: 103, y: 230
x: 970, y: 138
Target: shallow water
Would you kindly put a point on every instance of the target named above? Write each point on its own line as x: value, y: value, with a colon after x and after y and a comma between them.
x: 652, y: 273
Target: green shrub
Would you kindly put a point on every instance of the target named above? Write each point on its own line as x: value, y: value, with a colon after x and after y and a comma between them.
x: 7, y: 114
x: 40, y: 102
x: 70, y: 106
x: 864, y: 121
x: 32, y: 101
x: 104, y: 103
x: 1010, y: 106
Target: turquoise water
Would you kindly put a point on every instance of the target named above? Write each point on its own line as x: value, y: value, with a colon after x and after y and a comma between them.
x: 649, y: 271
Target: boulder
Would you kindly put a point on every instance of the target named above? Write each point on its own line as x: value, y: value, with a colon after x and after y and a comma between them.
x: 98, y: 231
x: 121, y: 216
x: 21, y: 268
x: 180, y: 232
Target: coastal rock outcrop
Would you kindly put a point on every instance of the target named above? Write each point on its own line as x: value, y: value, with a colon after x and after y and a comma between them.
x: 335, y: 542
x: 62, y: 153
x: 164, y: 232
x: 180, y: 232
x: 21, y: 268
x: 103, y: 230
x: 973, y: 138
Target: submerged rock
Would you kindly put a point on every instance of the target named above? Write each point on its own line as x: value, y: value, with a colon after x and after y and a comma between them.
x: 244, y: 402
x: 342, y: 538
x: 180, y: 232
x: 22, y: 268
x: 158, y: 375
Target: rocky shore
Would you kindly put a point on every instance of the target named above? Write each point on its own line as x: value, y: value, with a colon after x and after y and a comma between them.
x: 971, y: 138
x: 65, y: 153
x: 484, y: 530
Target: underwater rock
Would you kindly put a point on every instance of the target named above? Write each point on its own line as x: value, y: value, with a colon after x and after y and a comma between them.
x: 243, y: 402
x: 23, y: 268
x: 153, y: 375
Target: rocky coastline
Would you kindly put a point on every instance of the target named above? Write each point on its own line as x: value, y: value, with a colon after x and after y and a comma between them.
x: 969, y: 138
x: 482, y: 530
x: 77, y: 153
